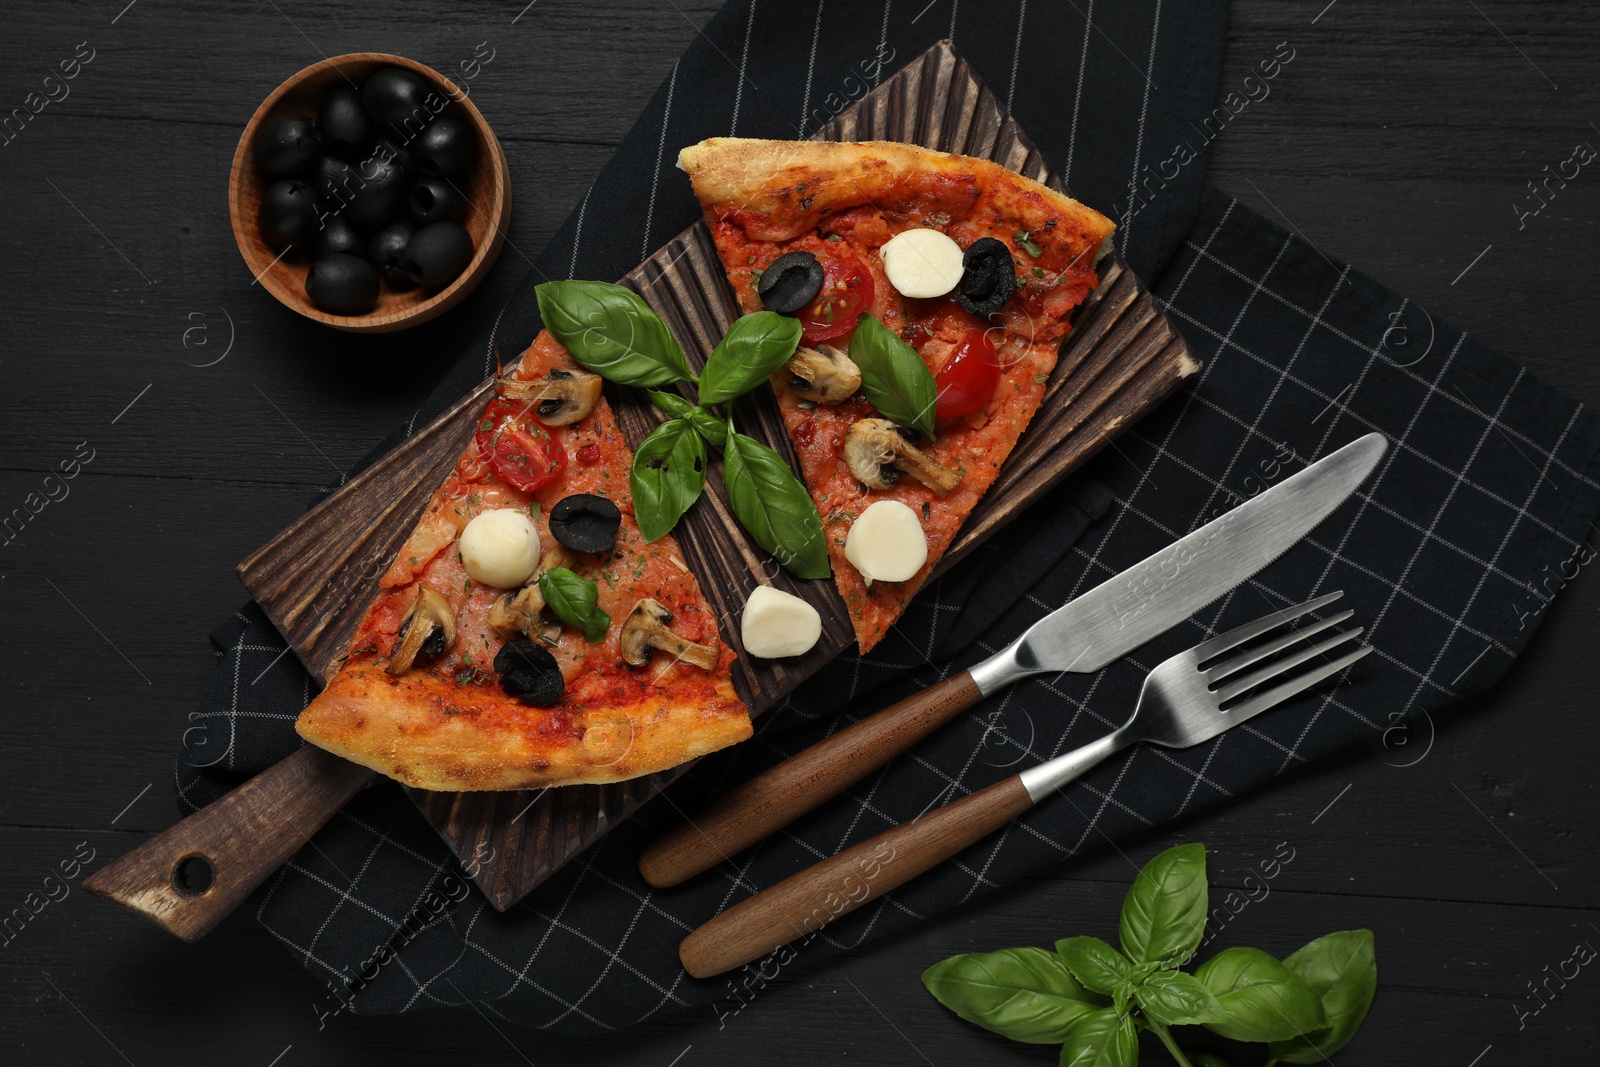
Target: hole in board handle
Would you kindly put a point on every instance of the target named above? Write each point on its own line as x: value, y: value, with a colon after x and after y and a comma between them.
x: 192, y: 876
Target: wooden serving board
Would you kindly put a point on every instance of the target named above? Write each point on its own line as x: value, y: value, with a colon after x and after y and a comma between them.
x: 315, y: 579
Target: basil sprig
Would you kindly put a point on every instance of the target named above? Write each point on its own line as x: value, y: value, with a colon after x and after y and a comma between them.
x: 1306, y: 1007
x: 669, y: 472
x: 754, y: 346
x: 893, y: 377
x: 575, y: 600
x: 613, y: 332
x: 770, y: 503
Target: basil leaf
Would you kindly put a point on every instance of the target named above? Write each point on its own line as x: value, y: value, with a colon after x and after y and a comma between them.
x: 1025, y: 994
x: 713, y: 429
x: 1262, y: 999
x: 754, y: 346
x: 612, y: 331
x: 575, y: 600
x: 893, y: 377
x: 1164, y: 913
x: 1102, y: 1039
x: 1173, y: 998
x: 770, y: 503
x: 670, y: 403
x: 1094, y: 963
x: 669, y: 471
x: 1341, y: 971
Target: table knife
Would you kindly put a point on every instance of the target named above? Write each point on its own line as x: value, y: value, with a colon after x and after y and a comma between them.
x: 1089, y: 632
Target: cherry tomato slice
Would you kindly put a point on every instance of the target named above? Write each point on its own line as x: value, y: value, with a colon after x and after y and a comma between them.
x: 847, y: 291
x: 968, y: 378
x: 518, y: 446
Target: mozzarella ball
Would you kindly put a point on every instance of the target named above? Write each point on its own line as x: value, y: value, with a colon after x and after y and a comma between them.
x: 922, y: 263
x: 777, y: 624
x: 500, y: 548
x: 886, y: 543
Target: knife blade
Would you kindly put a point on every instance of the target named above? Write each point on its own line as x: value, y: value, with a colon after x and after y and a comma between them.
x: 1152, y: 596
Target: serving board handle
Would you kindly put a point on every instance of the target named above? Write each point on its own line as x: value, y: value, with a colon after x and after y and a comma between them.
x: 781, y: 794
x: 243, y: 837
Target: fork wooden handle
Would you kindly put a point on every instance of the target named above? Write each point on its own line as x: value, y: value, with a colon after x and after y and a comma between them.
x: 778, y: 796
x: 805, y: 902
x: 244, y: 836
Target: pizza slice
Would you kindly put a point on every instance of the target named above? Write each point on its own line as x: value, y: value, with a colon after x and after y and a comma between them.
x: 963, y: 266
x: 527, y: 635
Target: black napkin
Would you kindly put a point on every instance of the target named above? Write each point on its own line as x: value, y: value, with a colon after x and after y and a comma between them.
x: 1476, y: 515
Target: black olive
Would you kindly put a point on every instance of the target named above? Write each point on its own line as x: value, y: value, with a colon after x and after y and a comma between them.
x: 392, y: 95
x: 344, y: 126
x: 438, y: 254
x: 343, y: 284
x: 285, y: 146
x: 530, y: 673
x: 395, y: 152
x: 447, y: 147
x: 988, y: 279
x: 585, y: 522
x: 380, y: 196
x: 790, y: 283
x: 288, y: 213
x: 387, y: 247
x: 336, y: 181
x: 339, y: 236
x: 436, y: 200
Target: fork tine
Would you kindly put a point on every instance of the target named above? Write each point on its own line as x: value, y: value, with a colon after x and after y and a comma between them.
x: 1279, y: 694
x: 1244, y: 659
x: 1239, y: 635
x: 1283, y: 666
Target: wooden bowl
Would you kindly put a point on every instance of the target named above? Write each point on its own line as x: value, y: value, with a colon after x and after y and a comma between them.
x: 284, y: 276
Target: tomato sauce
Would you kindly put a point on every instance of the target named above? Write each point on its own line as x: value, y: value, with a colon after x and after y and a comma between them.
x: 596, y: 675
x: 1054, y: 256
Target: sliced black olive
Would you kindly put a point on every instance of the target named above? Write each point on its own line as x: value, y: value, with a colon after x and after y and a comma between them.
x: 790, y: 283
x: 339, y: 236
x: 988, y: 279
x: 436, y: 200
x: 288, y: 213
x: 392, y: 95
x: 386, y: 250
x: 585, y: 522
x: 285, y: 146
x: 438, y: 254
x: 343, y: 284
x: 346, y: 131
x: 447, y: 147
x: 380, y: 193
x: 529, y: 673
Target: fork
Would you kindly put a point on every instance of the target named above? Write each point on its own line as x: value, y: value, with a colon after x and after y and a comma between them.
x: 1189, y: 698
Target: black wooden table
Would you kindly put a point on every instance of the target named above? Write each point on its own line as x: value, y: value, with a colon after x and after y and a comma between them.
x: 1400, y: 139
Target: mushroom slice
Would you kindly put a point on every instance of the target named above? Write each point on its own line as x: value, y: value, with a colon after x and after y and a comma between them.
x: 521, y: 614
x: 878, y: 452
x: 429, y: 627
x: 823, y: 374
x: 561, y: 397
x: 646, y: 628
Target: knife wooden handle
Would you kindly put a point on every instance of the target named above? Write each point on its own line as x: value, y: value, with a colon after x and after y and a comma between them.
x: 805, y: 902
x: 780, y: 795
x: 244, y: 837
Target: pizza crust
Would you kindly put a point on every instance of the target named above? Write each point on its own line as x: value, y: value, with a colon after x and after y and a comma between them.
x: 400, y: 727
x: 762, y: 182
